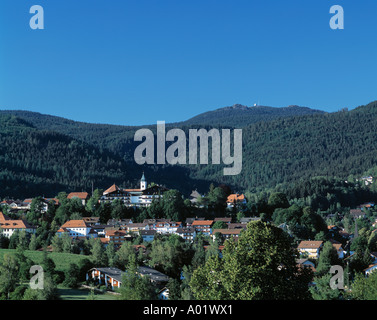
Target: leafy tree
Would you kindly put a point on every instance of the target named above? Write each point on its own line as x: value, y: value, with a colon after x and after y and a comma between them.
x: 4, y: 241
x: 174, y: 287
x: 9, y: 276
x: 23, y: 263
x: 98, y: 254
x: 322, y: 289
x: 84, y: 265
x: 364, y: 288
x: 134, y: 286
x: 92, y: 203
x: 33, y: 245
x: 72, y: 276
x: 110, y: 253
x: 219, y: 225
x: 216, y: 201
x: 328, y: 257
x: 66, y: 243
x: 261, y: 265
x: 48, y: 265
x: 36, y: 208
x: 186, y: 292
x: 124, y: 255
x: 57, y: 244
x: 277, y: 200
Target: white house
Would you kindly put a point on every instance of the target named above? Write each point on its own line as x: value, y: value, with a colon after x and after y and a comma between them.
x: 8, y: 227
x: 311, y: 248
x: 167, y: 227
x: 77, y: 228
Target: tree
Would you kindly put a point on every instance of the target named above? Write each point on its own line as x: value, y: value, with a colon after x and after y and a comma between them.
x: 219, y: 225
x: 364, y: 288
x: 33, y: 245
x: 322, y: 289
x: 72, y: 276
x: 260, y: 266
x: 216, y: 201
x: 134, y: 286
x: 328, y: 257
x: 66, y: 243
x: 48, y: 264
x: 186, y: 292
x: 84, y: 265
x: 110, y: 253
x: 98, y: 254
x: 4, y: 241
x: 213, y: 248
x: 24, y: 264
x: 9, y: 276
x: 277, y: 200
x: 163, y: 257
x: 173, y: 205
x: 174, y: 289
x: 199, y: 257
x: 36, y: 208
x: 124, y: 255
x: 103, y: 212
x: 92, y: 203
x: 57, y: 244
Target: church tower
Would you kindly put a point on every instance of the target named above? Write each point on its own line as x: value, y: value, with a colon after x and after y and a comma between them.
x: 143, y: 183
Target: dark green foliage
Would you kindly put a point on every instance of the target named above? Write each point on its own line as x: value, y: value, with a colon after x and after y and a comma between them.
x: 282, y: 151
x: 35, y: 162
x: 241, y: 116
x: 72, y: 276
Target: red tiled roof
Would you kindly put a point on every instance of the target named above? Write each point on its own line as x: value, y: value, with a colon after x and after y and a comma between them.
x: 110, y: 233
x: 235, y: 197
x: 80, y: 195
x: 202, y: 223
x: 112, y: 189
x: 227, y: 231
x: 15, y: 224
x: 310, y: 244
x: 74, y: 224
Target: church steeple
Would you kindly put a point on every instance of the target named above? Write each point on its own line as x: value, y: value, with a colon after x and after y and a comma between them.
x: 143, y: 183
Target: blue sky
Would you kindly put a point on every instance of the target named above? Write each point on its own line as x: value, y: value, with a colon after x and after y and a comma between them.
x: 137, y: 62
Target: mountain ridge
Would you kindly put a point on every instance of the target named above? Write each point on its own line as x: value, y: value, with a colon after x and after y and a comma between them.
x: 279, y: 151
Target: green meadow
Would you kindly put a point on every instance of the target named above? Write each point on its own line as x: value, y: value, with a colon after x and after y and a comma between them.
x: 61, y: 260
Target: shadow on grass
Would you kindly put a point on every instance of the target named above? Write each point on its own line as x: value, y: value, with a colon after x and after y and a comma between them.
x: 82, y: 294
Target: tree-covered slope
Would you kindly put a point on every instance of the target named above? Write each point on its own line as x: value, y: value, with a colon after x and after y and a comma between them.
x: 37, y: 162
x: 284, y: 150
x: 240, y: 116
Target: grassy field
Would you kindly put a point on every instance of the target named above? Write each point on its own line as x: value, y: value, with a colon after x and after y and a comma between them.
x: 82, y: 294
x: 61, y: 260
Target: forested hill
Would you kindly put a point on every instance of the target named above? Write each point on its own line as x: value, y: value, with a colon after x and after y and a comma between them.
x: 37, y: 162
x: 287, y: 150
x: 240, y: 116
x: 280, y: 151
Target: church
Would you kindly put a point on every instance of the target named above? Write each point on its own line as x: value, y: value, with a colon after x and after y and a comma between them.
x: 141, y: 197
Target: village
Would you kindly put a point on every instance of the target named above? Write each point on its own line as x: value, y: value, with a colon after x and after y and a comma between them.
x: 124, y: 232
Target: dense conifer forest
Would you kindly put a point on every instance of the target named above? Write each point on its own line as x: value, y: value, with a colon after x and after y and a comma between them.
x: 42, y: 152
